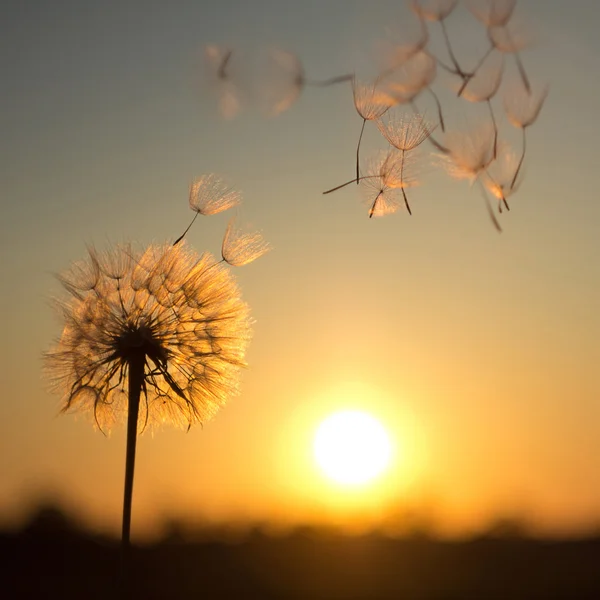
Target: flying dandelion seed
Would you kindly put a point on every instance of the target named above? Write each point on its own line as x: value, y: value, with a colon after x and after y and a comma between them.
x: 370, y: 103
x: 500, y: 178
x: 286, y: 79
x: 522, y: 108
x: 210, y: 195
x: 218, y: 71
x: 483, y: 86
x: 240, y: 248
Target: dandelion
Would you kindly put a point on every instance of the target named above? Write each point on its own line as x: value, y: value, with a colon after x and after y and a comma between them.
x: 370, y: 104
x: 522, y: 109
x: 156, y: 336
x: 210, y: 195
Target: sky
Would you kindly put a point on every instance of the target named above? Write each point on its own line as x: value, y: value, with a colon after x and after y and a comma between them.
x: 477, y: 350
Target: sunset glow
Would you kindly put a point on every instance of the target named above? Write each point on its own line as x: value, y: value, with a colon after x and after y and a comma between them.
x: 351, y: 447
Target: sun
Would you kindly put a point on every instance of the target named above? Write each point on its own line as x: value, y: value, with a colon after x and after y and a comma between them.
x: 352, y: 447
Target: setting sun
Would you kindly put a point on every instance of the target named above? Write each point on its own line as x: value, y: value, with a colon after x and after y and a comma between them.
x: 351, y: 447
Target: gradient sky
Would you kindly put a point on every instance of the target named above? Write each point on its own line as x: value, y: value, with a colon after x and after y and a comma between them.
x: 478, y: 351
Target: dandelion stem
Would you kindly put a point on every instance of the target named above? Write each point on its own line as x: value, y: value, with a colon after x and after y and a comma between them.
x: 358, y: 150
x: 136, y: 380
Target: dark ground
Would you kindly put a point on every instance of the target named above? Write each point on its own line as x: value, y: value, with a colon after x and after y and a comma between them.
x: 50, y: 558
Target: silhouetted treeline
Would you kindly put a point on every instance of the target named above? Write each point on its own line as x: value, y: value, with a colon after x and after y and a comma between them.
x: 51, y: 558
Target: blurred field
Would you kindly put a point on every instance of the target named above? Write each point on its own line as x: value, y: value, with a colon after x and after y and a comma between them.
x: 51, y: 558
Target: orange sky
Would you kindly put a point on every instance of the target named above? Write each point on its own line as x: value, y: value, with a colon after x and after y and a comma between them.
x: 478, y: 351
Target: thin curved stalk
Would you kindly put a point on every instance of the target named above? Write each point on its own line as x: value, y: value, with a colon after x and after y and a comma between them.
x: 358, y: 150
x: 186, y: 230
x: 489, y: 103
x: 469, y: 76
x: 402, y: 184
x: 331, y: 80
x: 355, y: 180
x: 451, y: 54
x: 514, y: 180
x: 439, y: 109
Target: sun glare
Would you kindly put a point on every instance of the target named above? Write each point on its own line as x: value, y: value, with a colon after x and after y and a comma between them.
x: 352, y: 447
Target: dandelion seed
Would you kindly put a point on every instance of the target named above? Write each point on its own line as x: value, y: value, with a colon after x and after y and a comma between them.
x: 405, y: 132
x: 219, y: 75
x: 414, y: 76
x: 500, y: 178
x: 396, y: 50
x: 370, y: 104
x: 387, y: 179
x: 433, y: 10
x: 470, y: 152
x: 511, y: 39
x: 483, y: 86
x: 492, y: 13
x: 210, y: 195
x: 240, y: 248
x: 388, y: 176
x: 286, y: 79
x: 522, y: 109
x: 440, y: 10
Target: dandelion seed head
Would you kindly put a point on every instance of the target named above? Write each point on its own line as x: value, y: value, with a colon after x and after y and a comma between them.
x: 178, y: 312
